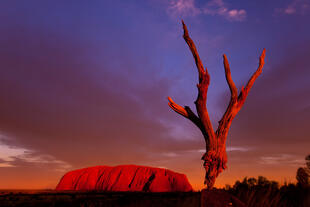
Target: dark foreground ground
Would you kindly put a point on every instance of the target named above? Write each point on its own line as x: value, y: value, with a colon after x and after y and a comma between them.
x: 241, y: 195
x: 91, y: 199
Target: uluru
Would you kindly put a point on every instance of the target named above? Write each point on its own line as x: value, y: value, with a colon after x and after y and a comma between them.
x: 125, y: 178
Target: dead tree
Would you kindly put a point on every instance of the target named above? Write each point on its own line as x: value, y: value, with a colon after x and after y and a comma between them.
x: 215, y: 158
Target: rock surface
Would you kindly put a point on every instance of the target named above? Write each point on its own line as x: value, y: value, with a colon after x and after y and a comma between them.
x: 125, y: 178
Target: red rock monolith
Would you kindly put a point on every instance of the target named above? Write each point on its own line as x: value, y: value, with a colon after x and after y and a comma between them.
x: 125, y: 178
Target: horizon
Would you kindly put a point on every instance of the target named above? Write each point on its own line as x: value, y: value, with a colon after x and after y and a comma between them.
x: 86, y: 84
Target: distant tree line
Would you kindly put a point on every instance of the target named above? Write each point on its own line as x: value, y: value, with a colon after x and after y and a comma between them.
x: 261, y: 192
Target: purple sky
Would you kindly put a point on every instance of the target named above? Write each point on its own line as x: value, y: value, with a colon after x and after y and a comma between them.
x: 85, y: 83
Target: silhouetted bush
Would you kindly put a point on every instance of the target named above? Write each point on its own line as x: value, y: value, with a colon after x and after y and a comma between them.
x: 261, y: 192
x: 303, y: 174
x: 303, y: 177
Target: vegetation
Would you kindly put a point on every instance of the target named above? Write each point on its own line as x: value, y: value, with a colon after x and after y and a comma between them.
x: 262, y: 192
x: 98, y: 199
x: 303, y: 174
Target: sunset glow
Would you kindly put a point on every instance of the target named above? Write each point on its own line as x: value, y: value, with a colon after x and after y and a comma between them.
x: 86, y: 83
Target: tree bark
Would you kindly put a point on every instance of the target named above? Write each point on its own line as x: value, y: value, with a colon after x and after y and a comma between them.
x: 215, y: 158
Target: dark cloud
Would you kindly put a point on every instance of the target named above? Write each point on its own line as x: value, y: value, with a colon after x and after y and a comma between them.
x: 52, y: 105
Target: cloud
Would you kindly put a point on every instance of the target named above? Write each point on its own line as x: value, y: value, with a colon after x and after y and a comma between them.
x: 294, y: 7
x: 195, y: 152
x: 239, y: 149
x: 12, y: 156
x: 282, y: 159
x: 5, y: 164
x: 7, y: 153
x: 214, y: 8
x: 218, y: 7
x: 183, y: 8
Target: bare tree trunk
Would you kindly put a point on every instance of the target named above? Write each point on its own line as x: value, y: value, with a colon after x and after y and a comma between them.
x: 215, y: 158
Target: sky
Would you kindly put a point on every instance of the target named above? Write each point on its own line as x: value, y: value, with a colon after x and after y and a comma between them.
x: 85, y: 83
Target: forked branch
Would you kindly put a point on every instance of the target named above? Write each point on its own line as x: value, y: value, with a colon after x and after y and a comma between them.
x: 215, y: 157
x: 236, y: 103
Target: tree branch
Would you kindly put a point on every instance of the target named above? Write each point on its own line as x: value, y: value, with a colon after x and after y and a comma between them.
x: 231, y: 84
x: 186, y: 112
x: 245, y: 91
x: 236, y: 103
x: 177, y: 108
x: 230, y: 112
x: 204, y: 81
x: 193, y: 49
